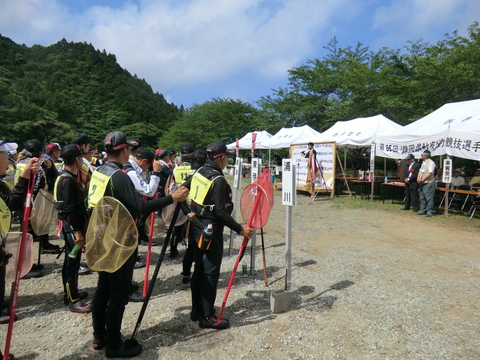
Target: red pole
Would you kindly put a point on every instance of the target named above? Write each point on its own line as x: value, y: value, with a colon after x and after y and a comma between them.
x: 239, y: 256
x: 21, y: 250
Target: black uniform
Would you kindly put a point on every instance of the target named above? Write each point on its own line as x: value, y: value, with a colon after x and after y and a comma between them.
x: 72, y: 211
x: 207, y: 262
x: 44, y: 179
x: 411, y: 187
x: 15, y: 200
x: 114, y: 288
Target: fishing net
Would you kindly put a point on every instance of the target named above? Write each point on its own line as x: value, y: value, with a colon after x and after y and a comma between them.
x: 12, y: 241
x: 111, y: 237
x: 167, y: 211
x: 43, y: 217
x: 257, y: 201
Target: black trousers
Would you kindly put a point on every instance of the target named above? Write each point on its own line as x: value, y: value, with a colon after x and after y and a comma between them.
x: 206, y: 274
x: 70, y: 265
x: 188, y: 258
x: 2, y: 284
x: 411, y: 195
x: 109, y: 302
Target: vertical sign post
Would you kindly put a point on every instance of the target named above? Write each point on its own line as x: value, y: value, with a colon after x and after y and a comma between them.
x: 447, y: 179
x: 256, y: 168
x: 237, y: 184
x: 289, y: 198
x: 372, y: 170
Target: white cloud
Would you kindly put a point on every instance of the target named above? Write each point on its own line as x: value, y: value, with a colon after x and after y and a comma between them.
x: 184, y: 43
x: 33, y: 21
x: 402, y: 20
x: 175, y: 44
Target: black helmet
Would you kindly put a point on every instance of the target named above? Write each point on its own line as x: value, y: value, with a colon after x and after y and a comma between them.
x: 199, y: 157
x: 186, y: 149
x: 34, y: 147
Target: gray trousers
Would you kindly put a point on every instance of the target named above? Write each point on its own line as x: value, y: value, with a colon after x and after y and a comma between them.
x: 427, y: 198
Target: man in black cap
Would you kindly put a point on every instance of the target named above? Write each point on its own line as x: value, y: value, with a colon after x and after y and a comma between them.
x: 427, y: 185
x: 114, y: 288
x: 70, y: 198
x: 214, y: 208
x: 411, y: 185
x: 44, y: 179
x: 198, y: 159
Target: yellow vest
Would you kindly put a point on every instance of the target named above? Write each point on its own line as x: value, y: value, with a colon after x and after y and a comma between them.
x: 99, y: 182
x: 20, y: 167
x: 199, y: 188
x: 5, y: 216
x: 180, y: 173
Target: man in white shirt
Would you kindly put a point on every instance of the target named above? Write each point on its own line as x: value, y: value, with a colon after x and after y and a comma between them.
x: 427, y: 185
x: 457, y: 179
x: 142, y: 161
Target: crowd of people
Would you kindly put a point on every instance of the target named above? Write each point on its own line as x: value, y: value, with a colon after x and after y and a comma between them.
x: 421, y: 181
x: 141, y: 180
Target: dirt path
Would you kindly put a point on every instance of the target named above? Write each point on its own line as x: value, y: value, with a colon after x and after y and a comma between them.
x: 368, y: 281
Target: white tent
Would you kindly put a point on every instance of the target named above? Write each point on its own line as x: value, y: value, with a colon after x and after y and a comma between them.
x: 287, y: 136
x: 357, y: 132
x: 245, y: 143
x: 452, y: 129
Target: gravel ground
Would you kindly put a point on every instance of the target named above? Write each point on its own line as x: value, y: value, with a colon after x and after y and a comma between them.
x: 368, y: 281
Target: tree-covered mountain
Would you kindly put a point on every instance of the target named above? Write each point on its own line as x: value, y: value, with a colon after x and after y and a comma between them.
x: 53, y: 93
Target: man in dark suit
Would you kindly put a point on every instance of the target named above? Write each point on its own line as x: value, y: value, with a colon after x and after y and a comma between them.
x: 411, y: 185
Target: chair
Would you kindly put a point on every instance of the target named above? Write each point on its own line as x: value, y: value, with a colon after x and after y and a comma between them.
x: 475, y: 206
x: 458, y: 198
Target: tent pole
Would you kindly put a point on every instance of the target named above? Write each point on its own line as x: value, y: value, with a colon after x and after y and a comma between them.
x: 447, y: 185
x: 345, y: 159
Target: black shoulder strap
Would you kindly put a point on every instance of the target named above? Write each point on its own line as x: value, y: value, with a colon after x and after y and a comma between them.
x: 128, y: 167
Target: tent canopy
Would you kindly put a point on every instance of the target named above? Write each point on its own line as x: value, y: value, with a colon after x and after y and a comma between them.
x: 357, y: 132
x: 287, y: 136
x: 245, y: 143
x: 452, y: 129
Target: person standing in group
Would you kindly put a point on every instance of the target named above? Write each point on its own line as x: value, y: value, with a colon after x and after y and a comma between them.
x: 10, y: 200
x: 198, y: 159
x: 411, y: 185
x: 212, y: 204
x: 53, y: 152
x: 85, y: 173
x: 44, y: 179
x: 113, y: 288
x: 70, y: 203
x: 427, y: 185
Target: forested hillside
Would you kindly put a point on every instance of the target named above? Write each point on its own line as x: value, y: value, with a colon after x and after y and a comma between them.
x: 52, y: 93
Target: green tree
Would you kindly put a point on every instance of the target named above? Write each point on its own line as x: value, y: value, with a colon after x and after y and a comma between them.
x: 218, y: 119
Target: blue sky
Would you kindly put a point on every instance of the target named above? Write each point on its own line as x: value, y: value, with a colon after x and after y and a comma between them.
x: 194, y: 50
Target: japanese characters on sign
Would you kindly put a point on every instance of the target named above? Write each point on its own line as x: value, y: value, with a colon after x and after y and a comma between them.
x: 454, y: 144
x: 447, y: 171
x: 289, y: 191
x: 256, y: 168
x: 372, y: 159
